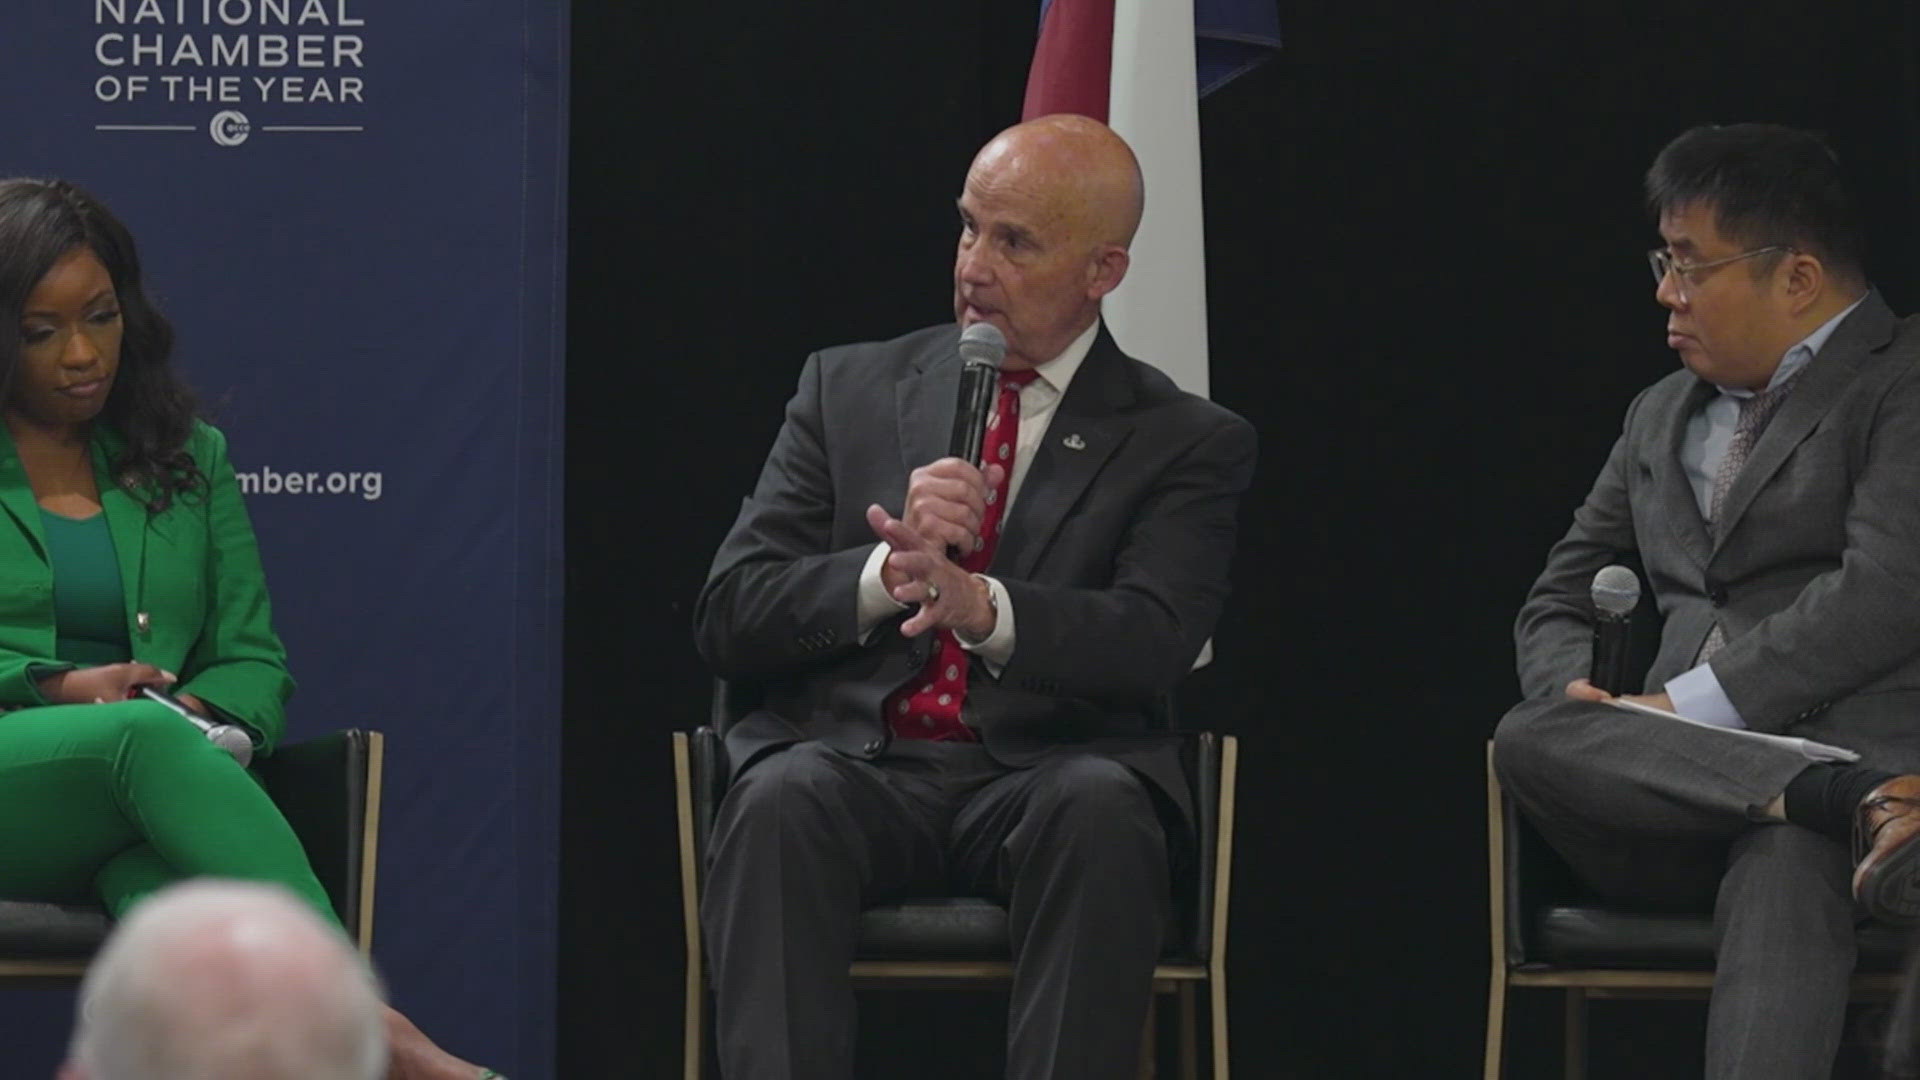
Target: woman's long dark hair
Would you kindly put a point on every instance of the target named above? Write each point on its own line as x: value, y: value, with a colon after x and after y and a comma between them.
x: 151, y: 409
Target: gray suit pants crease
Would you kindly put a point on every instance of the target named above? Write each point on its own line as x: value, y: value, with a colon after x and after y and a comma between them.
x: 1662, y: 814
x: 806, y: 838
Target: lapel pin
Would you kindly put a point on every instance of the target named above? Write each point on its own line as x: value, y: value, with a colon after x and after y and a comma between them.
x: 143, y: 621
x: 1074, y: 442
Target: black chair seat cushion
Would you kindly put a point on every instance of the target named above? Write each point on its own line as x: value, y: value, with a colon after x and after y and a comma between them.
x: 946, y: 928
x: 34, y: 931
x: 951, y: 928
x: 1575, y: 935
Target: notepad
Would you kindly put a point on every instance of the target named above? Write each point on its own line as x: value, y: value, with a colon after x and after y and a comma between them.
x: 1807, y: 748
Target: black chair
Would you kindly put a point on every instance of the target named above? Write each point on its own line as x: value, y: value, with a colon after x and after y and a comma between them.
x: 329, y: 790
x: 963, y: 940
x: 1549, y: 931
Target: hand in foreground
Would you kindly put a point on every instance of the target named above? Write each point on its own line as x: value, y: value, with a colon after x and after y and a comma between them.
x: 108, y: 682
x: 917, y: 571
x: 1582, y: 690
x: 947, y: 500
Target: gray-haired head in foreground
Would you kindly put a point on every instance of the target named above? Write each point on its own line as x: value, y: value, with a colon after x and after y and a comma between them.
x: 215, y: 980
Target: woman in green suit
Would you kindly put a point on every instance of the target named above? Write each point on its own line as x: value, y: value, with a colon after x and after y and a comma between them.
x: 126, y: 560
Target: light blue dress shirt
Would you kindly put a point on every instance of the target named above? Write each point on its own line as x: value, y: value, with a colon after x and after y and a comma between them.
x: 1697, y: 694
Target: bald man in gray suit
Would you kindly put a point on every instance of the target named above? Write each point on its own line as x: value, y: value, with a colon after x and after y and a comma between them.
x: 1770, y: 490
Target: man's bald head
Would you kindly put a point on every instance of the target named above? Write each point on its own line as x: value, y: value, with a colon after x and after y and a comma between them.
x: 225, y: 979
x: 1080, y: 162
x: 1047, y: 213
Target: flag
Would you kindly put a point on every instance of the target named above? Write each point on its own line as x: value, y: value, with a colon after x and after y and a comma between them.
x: 1140, y: 65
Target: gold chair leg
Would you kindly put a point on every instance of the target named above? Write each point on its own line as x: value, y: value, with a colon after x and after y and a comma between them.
x: 1149, y: 1050
x: 694, y: 1030
x: 1217, y: 1005
x: 1576, y: 1038
x: 1189, y: 1034
x: 695, y: 1034
x: 1496, y: 1021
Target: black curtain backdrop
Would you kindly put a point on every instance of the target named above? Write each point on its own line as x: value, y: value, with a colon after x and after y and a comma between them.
x: 1426, y: 289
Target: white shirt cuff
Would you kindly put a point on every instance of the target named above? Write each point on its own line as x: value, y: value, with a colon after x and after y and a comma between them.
x: 1697, y: 695
x: 997, y: 648
x: 874, y: 605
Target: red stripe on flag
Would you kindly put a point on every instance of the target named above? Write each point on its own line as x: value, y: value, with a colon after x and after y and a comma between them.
x: 1072, y: 61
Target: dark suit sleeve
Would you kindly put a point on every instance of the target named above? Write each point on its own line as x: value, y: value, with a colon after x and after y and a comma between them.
x: 1553, y: 637
x: 776, y: 598
x: 1135, y: 639
x: 1861, y: 620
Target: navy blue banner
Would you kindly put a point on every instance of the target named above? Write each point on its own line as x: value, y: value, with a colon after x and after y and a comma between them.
x: 1233, y: 37
x: 352, y: 210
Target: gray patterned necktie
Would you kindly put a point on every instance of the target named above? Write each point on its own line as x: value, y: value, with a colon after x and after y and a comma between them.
x: 1755, y: 412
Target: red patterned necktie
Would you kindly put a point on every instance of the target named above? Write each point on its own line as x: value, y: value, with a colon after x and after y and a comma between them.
x: 928, y: 707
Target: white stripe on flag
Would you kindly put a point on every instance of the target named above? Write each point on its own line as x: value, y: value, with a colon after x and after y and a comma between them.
x: 1159, y: 313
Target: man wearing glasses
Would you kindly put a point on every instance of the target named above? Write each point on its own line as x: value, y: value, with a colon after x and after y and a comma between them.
x: 1770, y: 493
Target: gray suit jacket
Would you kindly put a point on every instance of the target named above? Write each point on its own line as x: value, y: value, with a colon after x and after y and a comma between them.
x: 1816, y: 573
x: 1114, y: 557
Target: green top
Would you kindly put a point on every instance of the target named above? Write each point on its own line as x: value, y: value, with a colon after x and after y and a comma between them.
x: 89, y: 600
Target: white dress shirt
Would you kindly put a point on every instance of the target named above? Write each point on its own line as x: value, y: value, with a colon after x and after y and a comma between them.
x: 1038, y: 401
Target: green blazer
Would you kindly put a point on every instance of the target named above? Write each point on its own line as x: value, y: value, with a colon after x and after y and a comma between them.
x: 196, y: 597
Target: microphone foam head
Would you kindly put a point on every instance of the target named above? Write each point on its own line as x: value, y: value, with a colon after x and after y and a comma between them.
x: 1616, y: 590
x: 234, y: 741
x: 983, y: 343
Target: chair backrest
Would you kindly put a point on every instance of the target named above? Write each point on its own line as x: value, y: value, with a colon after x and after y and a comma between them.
x: 733, y: 699
x: 328, y: 789
x: 1205, y: 776
x: 1529, y: 874
x: 708, y: 769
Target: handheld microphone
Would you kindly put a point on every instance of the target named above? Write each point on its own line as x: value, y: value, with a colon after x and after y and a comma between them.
x: 982, y: 348
x: 1616, y: 591
x: 225, y: 736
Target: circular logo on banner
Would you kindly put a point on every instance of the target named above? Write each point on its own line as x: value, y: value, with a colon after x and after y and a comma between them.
x: 230, y: 128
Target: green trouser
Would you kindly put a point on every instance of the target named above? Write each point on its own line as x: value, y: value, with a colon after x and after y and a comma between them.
x: 114, y: 801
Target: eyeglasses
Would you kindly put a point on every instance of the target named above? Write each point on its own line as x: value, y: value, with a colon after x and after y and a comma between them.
x: 1685, y: 274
